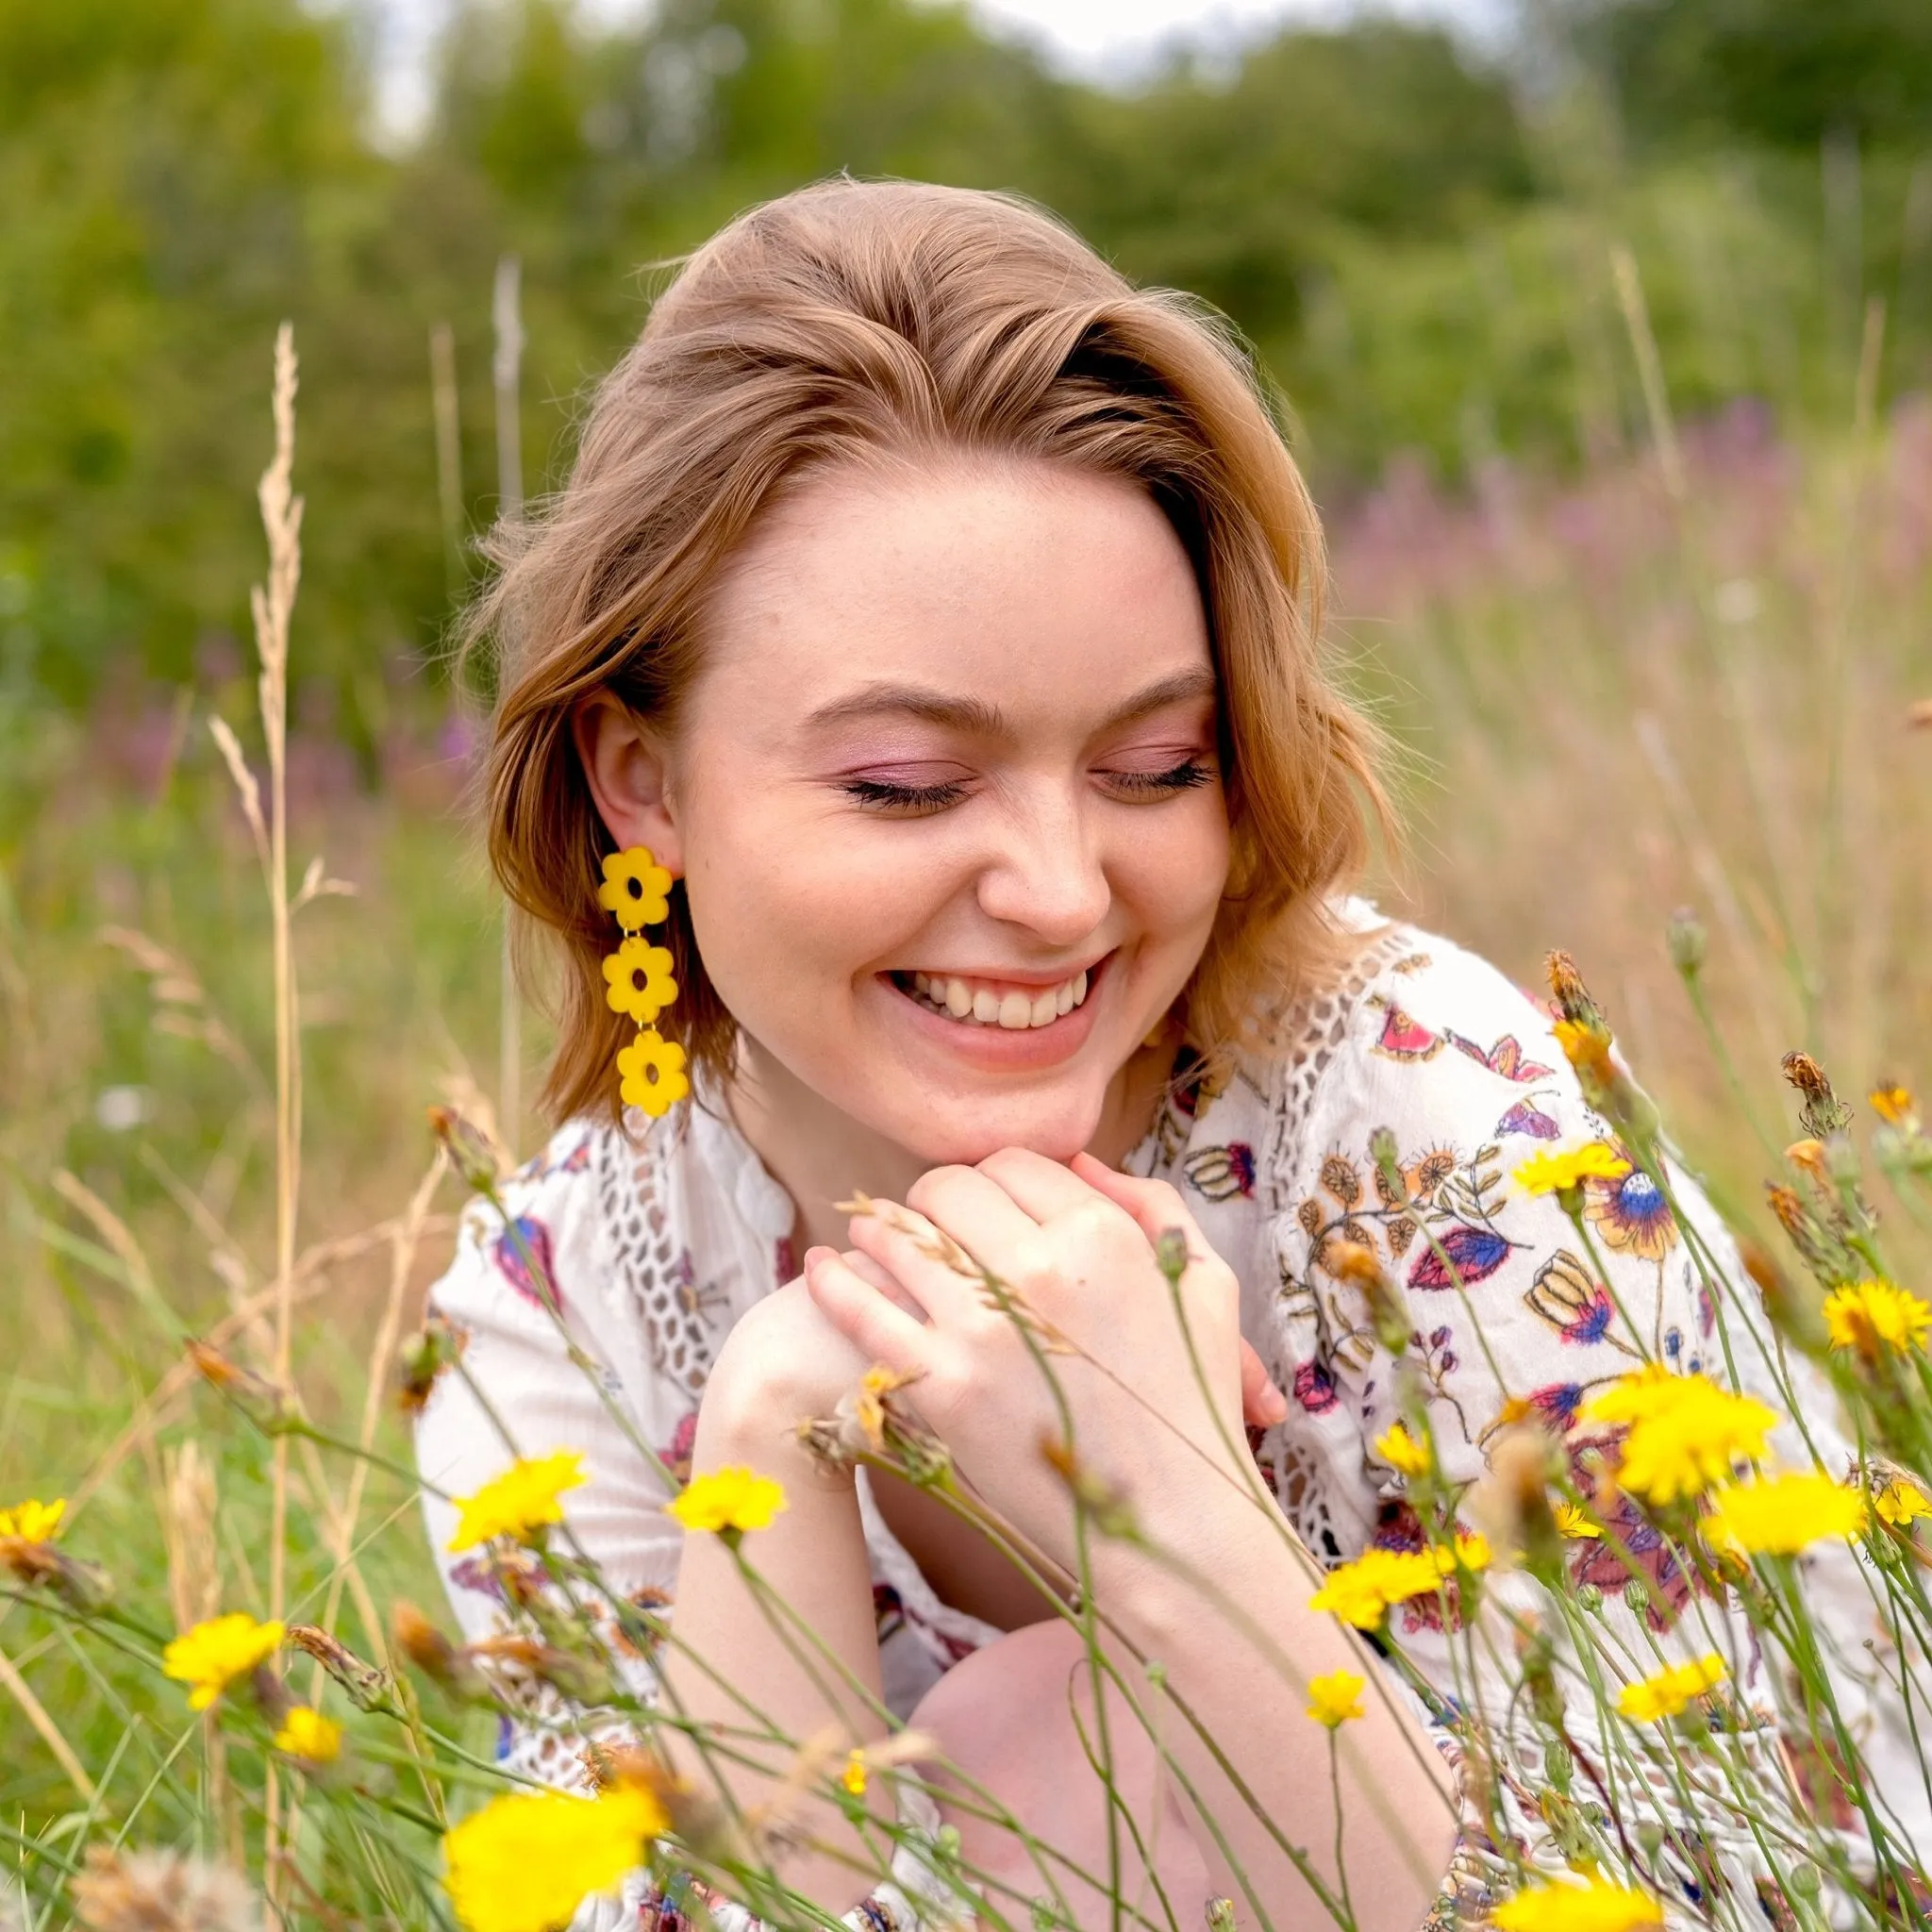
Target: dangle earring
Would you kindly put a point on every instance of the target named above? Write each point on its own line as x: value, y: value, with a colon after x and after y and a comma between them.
x: 638, y: 981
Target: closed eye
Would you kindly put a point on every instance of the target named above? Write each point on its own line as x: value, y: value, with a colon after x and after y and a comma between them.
x: 1184, y: 776
x: 879, y: 795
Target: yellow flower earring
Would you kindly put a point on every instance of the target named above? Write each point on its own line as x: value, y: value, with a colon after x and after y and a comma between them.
x: 638, y: 981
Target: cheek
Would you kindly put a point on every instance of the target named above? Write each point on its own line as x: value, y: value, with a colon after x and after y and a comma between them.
x: 1174, y: 873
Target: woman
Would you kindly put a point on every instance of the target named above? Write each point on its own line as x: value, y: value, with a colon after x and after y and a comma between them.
x: 941, y: 615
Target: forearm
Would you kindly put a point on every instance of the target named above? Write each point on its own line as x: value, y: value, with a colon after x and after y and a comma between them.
x: 774, y: 1652
x: 1221, y: 1606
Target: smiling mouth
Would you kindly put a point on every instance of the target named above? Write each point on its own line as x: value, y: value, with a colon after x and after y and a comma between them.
x: 972, y: 1002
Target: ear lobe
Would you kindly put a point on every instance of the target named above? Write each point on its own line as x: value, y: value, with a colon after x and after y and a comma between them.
x: 625, y: 766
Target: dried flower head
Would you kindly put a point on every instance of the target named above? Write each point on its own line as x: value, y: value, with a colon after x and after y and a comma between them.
x: 1360, y: 1267
x: 1512, y: 1500
x: 161, y: 1891
x: 368, y: 1688
x: 1571, y: 995
x: 1824, y: 1113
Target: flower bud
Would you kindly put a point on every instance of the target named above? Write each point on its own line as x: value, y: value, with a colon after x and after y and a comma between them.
x: 470, y: 1153
x: 368, y: 1688
x: 1688, y: 942
x: 1589, y: 1598
x: 423, y: 1359
x: 1805, y: 1879
x: 1824, y: 1113
x: 1636, y: 1596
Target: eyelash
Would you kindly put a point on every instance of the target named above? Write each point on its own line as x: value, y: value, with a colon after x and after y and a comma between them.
x: 876, y: 795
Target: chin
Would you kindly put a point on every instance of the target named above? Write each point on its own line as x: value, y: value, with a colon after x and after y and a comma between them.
x: 959, y: 1133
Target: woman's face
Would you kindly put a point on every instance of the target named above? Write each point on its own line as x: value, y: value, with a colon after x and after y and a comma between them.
x: 945, y: 796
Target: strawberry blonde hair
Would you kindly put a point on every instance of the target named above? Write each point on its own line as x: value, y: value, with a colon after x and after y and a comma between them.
x: 852, y: 321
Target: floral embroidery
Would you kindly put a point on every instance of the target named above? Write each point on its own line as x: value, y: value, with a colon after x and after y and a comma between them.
x: 522, y: 1253
x: 1314, y: 1389
x: 1222, y: 1174
x: 1527, y: 1117
x: 1401, y: 1038
x: 1631, y: 1213
x: 1505, y: 1057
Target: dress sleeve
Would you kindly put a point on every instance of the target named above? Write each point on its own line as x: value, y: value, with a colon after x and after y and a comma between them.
x: 1515, y: 1315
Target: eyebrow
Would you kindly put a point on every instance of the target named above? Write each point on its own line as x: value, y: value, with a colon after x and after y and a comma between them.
x: 987, y: 720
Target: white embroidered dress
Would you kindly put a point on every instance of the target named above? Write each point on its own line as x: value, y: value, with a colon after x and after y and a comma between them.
x: 655, y: 1246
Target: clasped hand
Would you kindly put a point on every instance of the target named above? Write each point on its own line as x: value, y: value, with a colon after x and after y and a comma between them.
x: 1082, y: 1341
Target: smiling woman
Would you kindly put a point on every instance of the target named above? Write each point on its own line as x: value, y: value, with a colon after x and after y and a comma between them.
x: 941, y: 615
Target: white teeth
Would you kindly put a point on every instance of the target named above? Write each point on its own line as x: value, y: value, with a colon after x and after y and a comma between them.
x: 981, y: 1005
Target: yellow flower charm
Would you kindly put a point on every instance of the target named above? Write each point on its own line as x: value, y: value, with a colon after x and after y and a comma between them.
x: 1402, y: 1452
x: 1595, y: 1907
x: 727, y: 1502
x: 638, y: 981
x: 211, y: 1657
x: 1685, y: 1433
x: 651, y: 1074
x: 526, y: 1497
x: 1901, y: 1503
x: 1871, y: 1315
x: 1334, y: 1699
x: 32, y: 1522
x: 1783, y: 1514
x: 636, y: 888
x: 310, y: 1736
x: 1672, y: 1691
x: 525, y: 1862
x: 1558, y: 1174
x: 853, y: 1777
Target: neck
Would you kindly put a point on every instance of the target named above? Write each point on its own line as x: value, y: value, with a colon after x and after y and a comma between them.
x: 821, y: 1155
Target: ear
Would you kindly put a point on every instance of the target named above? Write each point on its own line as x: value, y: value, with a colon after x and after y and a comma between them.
x: 626, y: 768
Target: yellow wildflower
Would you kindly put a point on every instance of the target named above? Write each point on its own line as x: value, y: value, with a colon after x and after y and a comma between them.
x: 1593, y: 1907
x: 32, y: 1522
x: 1402, y: 1452
x: 853, y: 1777
x: 1685, y: 1433
x: 1783, y: 1514
x: 525, y: 1862
x: 729, y: 1501
x: 636, y: 888
x: 869, y: 1405
x: 306, y: 1734
x: 1364, y: 1591
x: 1869, y: 1315
x: 211, y: 1657
x: 651, y: 1075
x: 638, y: 981
x: 1572, y: 1523
x: 1901, y: 1503
x: 1673, y: 1689
x: 1334, y: 1699
x: 522, y: 1500
x: 1894, y: 1104
x: 1586, y: 1047
x: 1556, y: 1174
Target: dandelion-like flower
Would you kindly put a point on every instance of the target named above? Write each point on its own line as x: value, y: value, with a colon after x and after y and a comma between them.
x: 525, y: 1862
x: 1335, y: 1698
x: 1901, y: 1503
x: 310, y: 1736
x: 1364, y: 1591
x: 1672, y: 1689
x: 727, y: 1502
x: 853, y: 1777
x: 526, y: 1498
x: 211, y: 1657
x: 1870, y: 1316
x: 1783, y: 1514
x: 1574, y: 1523
x: 651, y: 1074
x: 1587, y: 1047
x: 638, y: 981
x: 1894, y: 1103
x: 1595, y: 1907
x: 635, y: 889
x: 1685, y: 1433
x: 32, y: 1522
x: 1404, y: 1453
x: 1560, y: 1174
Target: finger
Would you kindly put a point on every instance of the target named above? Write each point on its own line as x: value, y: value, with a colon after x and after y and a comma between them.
x: 924, y: 1262
x: 1043, y: 1188
x: 978, y: 1213
x: 1155, y: 1206
x: 875, y: 1325
x: 881, y: 1278
x: 1263, y: 1403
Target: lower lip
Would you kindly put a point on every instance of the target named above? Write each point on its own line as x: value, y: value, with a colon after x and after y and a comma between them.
x: 1003, y: 1048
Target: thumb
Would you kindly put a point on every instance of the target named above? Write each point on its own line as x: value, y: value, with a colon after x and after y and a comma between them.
x: 1263, y: 1403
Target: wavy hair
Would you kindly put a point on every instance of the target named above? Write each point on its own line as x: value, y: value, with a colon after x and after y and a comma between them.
x: 851, y: 322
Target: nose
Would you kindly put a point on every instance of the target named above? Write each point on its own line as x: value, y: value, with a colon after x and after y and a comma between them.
x: 1048, y: 873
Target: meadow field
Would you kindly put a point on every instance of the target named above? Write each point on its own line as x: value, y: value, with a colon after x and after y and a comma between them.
x: 1644, y: 603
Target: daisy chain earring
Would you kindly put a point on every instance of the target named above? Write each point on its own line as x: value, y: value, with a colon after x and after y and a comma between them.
x: 638, y: 981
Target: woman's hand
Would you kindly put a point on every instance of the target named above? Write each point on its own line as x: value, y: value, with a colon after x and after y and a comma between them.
x: 1148, y: 1383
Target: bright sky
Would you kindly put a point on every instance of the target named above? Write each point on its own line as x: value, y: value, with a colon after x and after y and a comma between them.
x: 1101, y: 38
